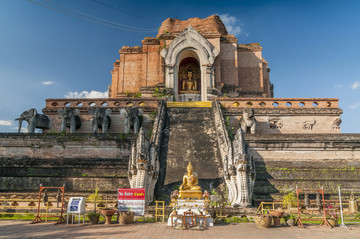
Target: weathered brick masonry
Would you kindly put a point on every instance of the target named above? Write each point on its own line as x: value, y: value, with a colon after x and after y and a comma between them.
x: 80, y: 161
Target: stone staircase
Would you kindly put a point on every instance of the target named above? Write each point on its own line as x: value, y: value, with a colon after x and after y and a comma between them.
x: 189, y: 135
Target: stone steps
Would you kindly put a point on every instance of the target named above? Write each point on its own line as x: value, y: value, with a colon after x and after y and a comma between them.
x: 189, y: 136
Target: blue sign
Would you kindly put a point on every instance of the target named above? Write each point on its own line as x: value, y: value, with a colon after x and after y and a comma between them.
x: 74, y: 205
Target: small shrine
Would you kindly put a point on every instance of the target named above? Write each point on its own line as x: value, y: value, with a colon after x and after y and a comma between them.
x: 190, y: 204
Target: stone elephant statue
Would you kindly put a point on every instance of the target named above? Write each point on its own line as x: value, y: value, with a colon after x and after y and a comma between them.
x: 34, y: 120
x: 131, y: 119
x: 69, y: 118
x: 101, y: 119
x: 248, y: 121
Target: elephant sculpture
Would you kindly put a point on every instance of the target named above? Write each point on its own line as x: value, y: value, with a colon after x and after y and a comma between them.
x: 34, y: 120
x: 101, y: 119
x: 248, y: 121
x: 69, y: 118
x: 131, y: 119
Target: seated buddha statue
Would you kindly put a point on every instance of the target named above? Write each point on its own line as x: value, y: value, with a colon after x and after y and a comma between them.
x: 189, y: 84
x: 189, y: 187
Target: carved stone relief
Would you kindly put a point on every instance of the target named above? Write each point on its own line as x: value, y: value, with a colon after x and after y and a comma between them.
x: 308, y: 125
x: 275, y: 122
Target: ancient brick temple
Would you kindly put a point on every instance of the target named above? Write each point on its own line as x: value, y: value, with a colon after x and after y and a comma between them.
x: 200, y: 47
x: 190, y: 94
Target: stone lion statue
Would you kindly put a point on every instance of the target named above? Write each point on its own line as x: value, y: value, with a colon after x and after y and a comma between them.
x: 248, y: 121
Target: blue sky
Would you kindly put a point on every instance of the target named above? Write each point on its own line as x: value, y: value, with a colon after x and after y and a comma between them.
x: 312, y: 47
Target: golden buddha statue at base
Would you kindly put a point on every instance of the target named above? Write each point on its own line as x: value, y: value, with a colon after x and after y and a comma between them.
x: 189, y: 188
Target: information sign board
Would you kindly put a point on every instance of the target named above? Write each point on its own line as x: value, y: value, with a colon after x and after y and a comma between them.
x: 76, y: 205
x: 132, y: 199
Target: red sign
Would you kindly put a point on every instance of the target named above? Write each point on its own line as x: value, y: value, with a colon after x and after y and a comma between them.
x: 131, y: 194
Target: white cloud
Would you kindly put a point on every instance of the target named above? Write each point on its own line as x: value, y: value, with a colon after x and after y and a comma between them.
x: 6, y: 122
x: 232, y: 24
x: 355, y: 105
x: 338, y: 85
x: 48, y: 82
x: 355, y: 85
x: 87, y: 94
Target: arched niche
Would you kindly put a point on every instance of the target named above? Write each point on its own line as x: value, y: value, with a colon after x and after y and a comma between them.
x: 189, y: 77
x: 191, y: 44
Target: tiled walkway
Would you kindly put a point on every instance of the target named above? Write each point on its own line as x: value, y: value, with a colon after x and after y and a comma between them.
x: 22, y: 229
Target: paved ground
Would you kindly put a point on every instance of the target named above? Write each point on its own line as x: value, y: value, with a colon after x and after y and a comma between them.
x: 22, y: 229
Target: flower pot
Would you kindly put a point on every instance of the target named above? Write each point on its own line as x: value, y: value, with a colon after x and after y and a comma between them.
x: 107, y: 214
x: 263, y: 221
x: 332, y: 222
x: 174, y: 213
x: 94, y: 219
x: 132, y: 215
x: 126, y: 217
x: 277, y: 213
x: 291, y: 222
x: 276, y: 221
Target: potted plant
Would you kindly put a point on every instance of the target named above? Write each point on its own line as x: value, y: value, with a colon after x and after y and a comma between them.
x: 94, y: 216
x: 289, y: 200
x: 291, y: 221
x: 263, y: 220
x: 333, y: 215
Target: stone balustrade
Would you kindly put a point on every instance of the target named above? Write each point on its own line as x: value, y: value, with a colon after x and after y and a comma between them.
x: 102, y: 102
x: 298, y: 103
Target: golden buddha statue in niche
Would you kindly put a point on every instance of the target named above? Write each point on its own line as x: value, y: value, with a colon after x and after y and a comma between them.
x: 189, y: 187
x: 189, y: 84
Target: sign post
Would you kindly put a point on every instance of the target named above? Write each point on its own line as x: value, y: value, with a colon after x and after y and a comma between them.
x: 76, y: 205
x: 132, y: 199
